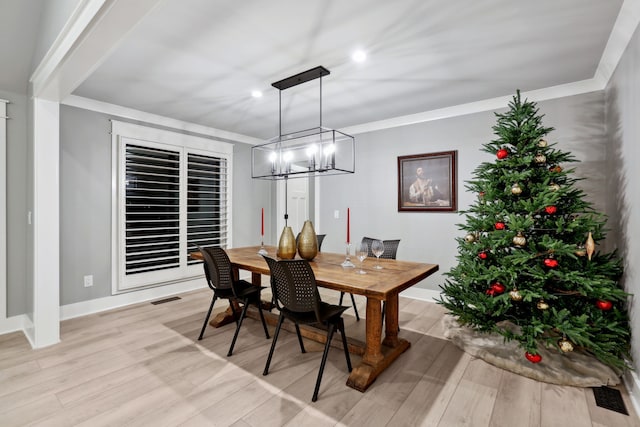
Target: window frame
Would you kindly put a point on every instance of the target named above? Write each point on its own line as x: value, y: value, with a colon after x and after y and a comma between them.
x: 123, y: 133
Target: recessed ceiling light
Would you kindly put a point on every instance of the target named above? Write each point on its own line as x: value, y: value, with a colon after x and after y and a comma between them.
x: 256, y: 94
x: 359, y: 55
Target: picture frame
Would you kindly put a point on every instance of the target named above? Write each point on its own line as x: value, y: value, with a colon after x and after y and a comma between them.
x: 427, y: 182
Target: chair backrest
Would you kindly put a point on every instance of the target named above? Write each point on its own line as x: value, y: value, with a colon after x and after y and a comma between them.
x: 217, y: 267
x: 294, y: 285
x: 390, y: 247
x: 272, y: 263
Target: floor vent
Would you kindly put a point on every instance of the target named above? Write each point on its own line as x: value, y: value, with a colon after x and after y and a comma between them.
x: 610, y: 398
x: 162, y: 301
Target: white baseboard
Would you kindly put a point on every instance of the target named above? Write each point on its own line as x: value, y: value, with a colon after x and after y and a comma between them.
x: 84, y: 308
x: 421, y: 294
x: 13, y: 324
x: 632, y: 384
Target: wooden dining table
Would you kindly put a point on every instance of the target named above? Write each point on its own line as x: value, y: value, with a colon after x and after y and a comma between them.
x: 377, y: 285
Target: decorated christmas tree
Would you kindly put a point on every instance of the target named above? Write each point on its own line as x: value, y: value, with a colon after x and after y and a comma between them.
x: 529, y: 254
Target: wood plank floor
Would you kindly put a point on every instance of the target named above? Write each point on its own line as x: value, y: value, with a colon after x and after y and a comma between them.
x: 142, y: 365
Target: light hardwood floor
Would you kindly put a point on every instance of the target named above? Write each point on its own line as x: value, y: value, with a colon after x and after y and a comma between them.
x: 142, y: 365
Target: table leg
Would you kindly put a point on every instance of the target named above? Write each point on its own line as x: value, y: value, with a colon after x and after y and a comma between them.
x: 226, y: 316
x: 377, y: 357
x: 372, y: 352
x: 256, y: 278
x: 391, y: 322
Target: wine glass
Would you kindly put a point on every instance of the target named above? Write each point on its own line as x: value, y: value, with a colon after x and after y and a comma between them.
x: 377, y: 248
x: 361, y: 253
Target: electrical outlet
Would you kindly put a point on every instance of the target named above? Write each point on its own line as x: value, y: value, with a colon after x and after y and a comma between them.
x: 88, y: 281
x: 336, y: 214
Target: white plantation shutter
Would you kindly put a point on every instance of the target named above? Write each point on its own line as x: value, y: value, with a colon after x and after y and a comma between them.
x: 152, y: 209
x: 173, y: 194
x: 206, y: 201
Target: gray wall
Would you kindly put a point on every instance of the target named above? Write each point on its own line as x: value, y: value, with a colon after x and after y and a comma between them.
x: 371, y: 192
x: 19, y: 299
x: 623, y: 185
x: 85, y: 203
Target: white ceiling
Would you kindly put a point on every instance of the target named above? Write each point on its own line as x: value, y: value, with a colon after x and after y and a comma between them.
x: 198, y: 60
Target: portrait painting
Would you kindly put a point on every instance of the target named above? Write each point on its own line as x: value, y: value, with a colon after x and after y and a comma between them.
x: 427, y: 182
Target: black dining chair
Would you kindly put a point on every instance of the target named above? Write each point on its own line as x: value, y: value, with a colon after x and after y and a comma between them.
x: 294, y: 285
x: 390, y: 250
x: 219, y: 275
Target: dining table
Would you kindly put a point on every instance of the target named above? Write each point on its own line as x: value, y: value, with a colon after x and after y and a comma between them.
x: 377, y: 286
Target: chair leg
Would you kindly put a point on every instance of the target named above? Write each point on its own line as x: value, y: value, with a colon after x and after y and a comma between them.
x: 300, y: 339
x: 206, y: 320
x: 353, y: 300
x: 344, y: 343
x: 341, y: 297
x: 233, y: 310
x: 235, y: 335
x: 264, y: 323
x: 332, y: 328
x: 273, y: 345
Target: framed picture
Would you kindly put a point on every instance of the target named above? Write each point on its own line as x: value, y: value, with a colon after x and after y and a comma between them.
x: 427, y: 182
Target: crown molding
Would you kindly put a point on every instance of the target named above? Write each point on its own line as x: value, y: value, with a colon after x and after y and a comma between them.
x: 621, y: 34
x: 132, y: 114
x: 492, y: 104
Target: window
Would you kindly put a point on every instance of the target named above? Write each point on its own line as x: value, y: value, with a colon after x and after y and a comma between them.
x: 172, y: 195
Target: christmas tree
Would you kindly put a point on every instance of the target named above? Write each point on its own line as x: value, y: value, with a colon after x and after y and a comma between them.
x: 529, y: 253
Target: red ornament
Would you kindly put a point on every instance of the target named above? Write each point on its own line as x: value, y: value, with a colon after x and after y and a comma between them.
x: 556, y: 169
x: 482, y: 255
x: 550, y: 262
x: 490, y: 292
x: 550, y: 210
x: 502, y: 153
x: 533, y: 358
x: 604, y: 305
x: 498, y: 287
x: 500, y: 226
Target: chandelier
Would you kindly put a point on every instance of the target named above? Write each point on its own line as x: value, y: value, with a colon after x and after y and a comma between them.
x: 317, y: 151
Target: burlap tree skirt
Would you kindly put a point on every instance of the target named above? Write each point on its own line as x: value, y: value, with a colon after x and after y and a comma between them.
x: 572, y: 369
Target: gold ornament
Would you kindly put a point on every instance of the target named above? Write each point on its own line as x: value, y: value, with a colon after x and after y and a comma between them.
x: 565, y: 345
x: 580, y: 251
x: 542, y: 305
x: 540, y: 158
x: 516, y: 189
x: 542, y: 143
x: 519, y: 239
x: 554, y: 187
x: 470, y: 238
x: 515, y: 295
x: 590, y: 245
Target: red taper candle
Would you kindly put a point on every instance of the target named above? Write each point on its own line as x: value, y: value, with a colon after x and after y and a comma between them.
x: 262, y: 232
